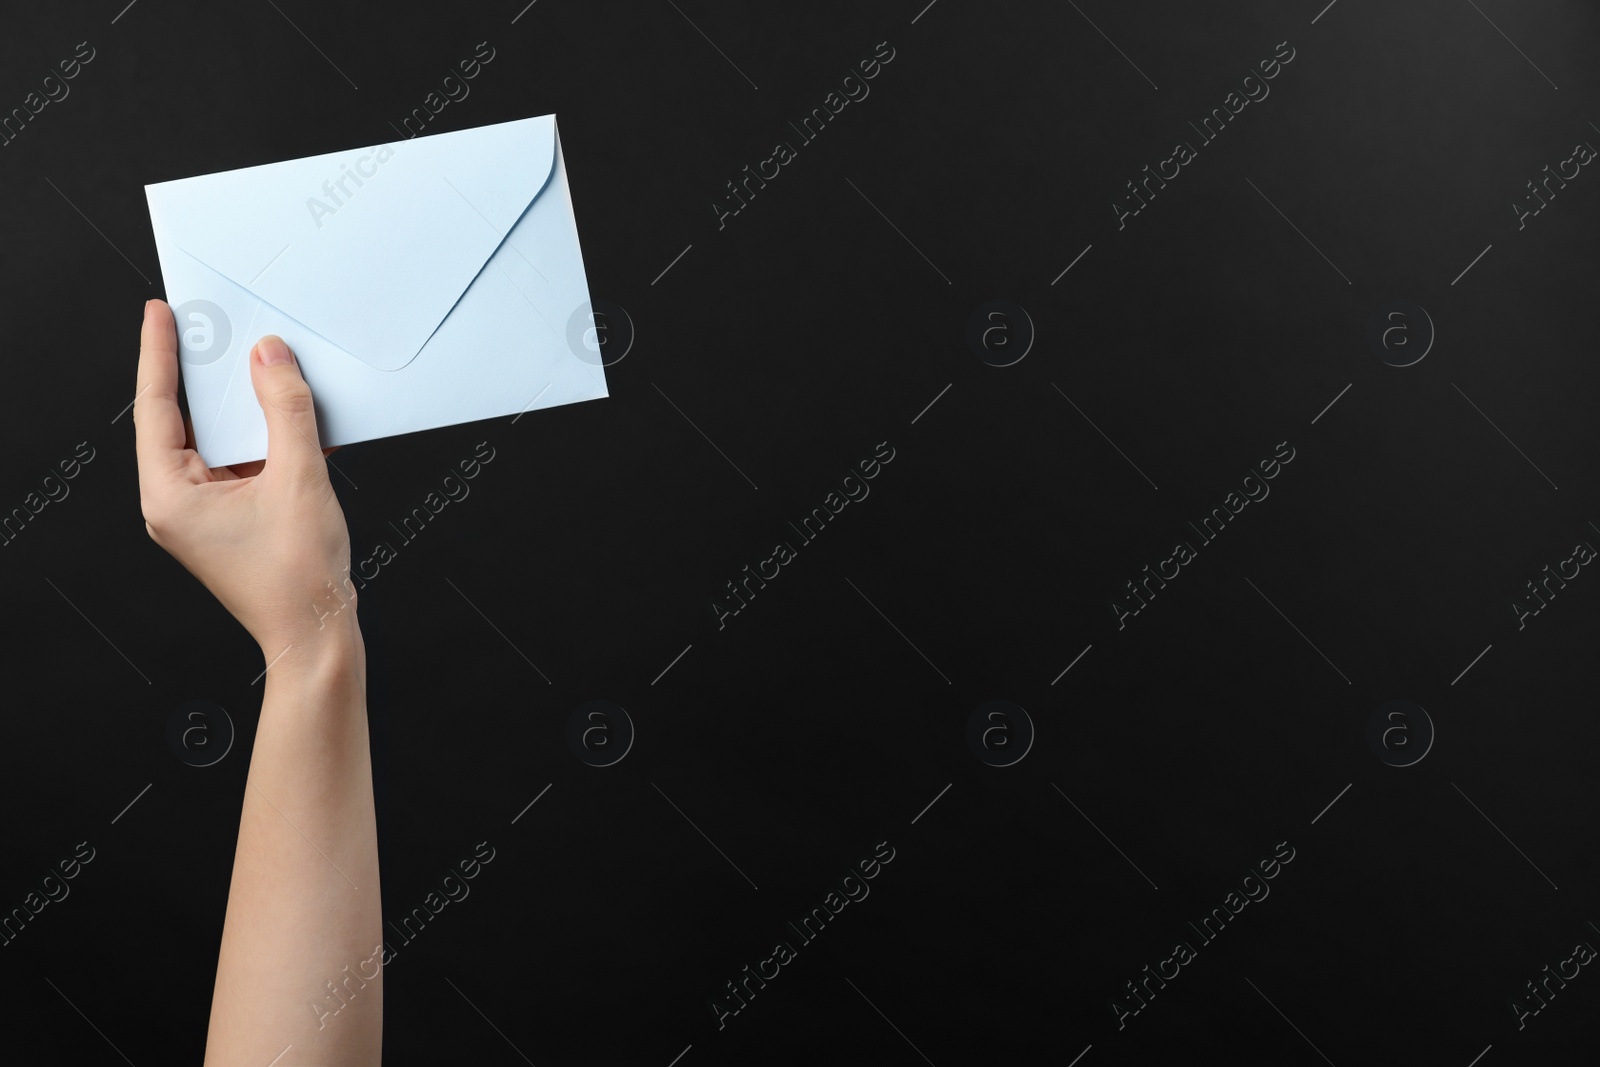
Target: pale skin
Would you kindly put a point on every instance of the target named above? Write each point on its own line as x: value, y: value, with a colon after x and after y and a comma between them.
x: 269, y: 540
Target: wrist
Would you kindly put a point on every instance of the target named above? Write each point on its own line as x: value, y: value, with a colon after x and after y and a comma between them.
x: 333, y: 656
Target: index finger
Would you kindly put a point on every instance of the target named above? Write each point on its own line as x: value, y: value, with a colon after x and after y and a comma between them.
x: 157, y: 422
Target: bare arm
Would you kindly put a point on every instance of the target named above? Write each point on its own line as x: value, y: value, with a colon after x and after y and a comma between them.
x: 299, y: 971
x: 301, y: 950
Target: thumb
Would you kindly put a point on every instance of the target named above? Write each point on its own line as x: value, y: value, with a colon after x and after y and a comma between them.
x: 286, y: 402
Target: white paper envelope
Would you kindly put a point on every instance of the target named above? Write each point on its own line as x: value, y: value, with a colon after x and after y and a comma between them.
x: 420, y: 283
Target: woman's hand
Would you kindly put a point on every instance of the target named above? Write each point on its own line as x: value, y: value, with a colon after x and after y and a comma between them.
x: 267, y: 538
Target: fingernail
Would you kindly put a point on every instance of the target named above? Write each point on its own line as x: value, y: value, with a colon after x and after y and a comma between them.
x: 273, y: 351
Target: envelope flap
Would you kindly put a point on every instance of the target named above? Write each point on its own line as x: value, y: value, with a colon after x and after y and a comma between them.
x: 370, y: 248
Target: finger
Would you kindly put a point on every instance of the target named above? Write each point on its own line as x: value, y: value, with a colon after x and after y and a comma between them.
x: 157, y: 423
x: 286, y: 402
x: 194, y: 468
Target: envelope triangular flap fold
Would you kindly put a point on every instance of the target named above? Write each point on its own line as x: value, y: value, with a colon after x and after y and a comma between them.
x: 369, y: 248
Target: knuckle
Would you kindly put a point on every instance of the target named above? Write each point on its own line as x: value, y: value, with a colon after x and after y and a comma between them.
x: 295, y: 401
x: 159, y: 510
x: 306, y: 479
x: 311, y: 475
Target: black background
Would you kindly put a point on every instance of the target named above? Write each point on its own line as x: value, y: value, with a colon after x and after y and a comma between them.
x: 828, y: 714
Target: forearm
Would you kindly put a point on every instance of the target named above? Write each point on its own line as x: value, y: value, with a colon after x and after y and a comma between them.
x: 301, y: 944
